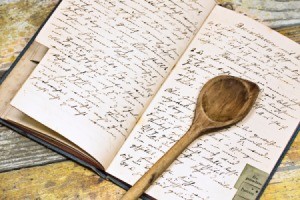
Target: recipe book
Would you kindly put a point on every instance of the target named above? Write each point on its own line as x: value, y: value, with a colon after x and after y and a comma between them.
x: 113, y: 85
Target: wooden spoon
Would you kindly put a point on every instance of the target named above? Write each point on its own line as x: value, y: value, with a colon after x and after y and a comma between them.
x: 223, y: 101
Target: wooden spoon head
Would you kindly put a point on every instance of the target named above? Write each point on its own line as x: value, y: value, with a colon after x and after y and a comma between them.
x: 225, y: 100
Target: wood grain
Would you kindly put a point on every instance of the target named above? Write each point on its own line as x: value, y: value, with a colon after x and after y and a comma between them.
x: 67, y: 180
x: 292, y: 32
x: 273, y: 13
x: 18, y: 152
x: 19, y: 21
x: 223, y: 101
x: 286, y: 181
x: 31, y: 14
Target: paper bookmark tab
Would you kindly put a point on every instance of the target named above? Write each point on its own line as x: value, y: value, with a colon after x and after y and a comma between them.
x: 250, y: 183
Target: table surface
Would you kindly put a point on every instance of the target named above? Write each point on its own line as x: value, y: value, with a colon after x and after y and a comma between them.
x: 31, y: 171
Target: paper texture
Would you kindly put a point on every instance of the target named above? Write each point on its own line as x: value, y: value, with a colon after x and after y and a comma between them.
x: 228, y: 43
x: 106, y: 61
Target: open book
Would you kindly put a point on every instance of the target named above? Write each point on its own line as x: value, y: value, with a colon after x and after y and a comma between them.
x: 113, y: 85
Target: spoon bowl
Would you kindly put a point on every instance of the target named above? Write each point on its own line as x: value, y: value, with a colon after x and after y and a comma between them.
x: 223, y: 101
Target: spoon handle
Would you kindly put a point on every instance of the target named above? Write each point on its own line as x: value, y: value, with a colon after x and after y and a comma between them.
x: 160, y: 166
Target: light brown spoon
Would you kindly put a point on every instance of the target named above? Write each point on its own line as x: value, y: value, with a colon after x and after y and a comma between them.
x: 223, y: 101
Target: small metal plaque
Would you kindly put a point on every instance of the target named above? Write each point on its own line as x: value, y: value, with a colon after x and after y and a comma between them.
x: 250, y: 183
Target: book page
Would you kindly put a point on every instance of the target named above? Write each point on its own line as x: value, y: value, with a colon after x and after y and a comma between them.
x: 105, y: 62
x: 228, y: 43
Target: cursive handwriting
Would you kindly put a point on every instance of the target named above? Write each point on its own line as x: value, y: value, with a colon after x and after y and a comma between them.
x: 216, y: 160
x: 110, y: 57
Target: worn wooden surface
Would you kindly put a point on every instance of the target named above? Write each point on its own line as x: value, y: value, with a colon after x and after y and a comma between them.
x: 19, y: 20
x: 66, y: 180
x: 273, y: 13
x: 18, y: 152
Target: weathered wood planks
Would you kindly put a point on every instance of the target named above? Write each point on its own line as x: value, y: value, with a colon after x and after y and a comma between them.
x: 273, y: 13
x: 19, y: 20
x: 67, y: 180
x: 18, y: 152
x: 31, y: 14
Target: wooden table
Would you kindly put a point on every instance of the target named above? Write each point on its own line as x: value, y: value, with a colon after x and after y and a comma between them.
x: 30, y: 171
